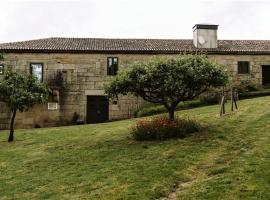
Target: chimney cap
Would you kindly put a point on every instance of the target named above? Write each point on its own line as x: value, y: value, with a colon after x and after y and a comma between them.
x: 205, y: 26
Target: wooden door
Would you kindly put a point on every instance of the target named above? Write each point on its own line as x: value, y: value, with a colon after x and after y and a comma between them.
x: 266, y: 75
x: 97, y: 109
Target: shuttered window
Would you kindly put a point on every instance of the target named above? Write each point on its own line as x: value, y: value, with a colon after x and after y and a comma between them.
x: 243, y: 67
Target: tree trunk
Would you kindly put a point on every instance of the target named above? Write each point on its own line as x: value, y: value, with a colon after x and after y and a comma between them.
x: 171, y: 114
x: 11, y: 133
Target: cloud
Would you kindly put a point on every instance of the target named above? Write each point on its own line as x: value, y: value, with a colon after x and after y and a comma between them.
x: 23, y: 20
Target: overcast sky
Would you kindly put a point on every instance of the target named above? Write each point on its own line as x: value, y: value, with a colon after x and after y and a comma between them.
x: 24, y: 20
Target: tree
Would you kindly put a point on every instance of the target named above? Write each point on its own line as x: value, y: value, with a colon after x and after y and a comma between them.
x: 168, y: 80
x: 20, y: 93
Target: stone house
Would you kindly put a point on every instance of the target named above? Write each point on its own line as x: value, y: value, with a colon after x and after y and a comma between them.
x: 83, y: 65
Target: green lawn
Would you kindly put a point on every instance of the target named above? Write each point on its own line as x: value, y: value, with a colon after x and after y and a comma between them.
x: 229, y: 159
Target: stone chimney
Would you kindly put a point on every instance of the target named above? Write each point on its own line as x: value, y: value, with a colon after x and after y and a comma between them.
x: 205, y: 35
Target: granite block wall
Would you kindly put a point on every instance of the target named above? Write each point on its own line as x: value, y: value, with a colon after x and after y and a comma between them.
x: 85, y: 74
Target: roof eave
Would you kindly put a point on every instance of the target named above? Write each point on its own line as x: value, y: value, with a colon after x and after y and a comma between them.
x: 210, y: 52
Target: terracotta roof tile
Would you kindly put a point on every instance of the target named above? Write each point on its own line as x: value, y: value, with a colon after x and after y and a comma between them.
x: 99, y: 45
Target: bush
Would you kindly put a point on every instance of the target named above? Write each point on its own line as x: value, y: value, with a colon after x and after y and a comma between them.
x: 246, y: 95
x: 248, y: 89
x: 248, y: 86
x: 151, y: 109
x: 210, y: 98
x: 161, y: 128
x: 190, y: 104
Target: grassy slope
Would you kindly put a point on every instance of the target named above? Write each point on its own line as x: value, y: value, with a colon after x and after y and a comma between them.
x: 228, y: 160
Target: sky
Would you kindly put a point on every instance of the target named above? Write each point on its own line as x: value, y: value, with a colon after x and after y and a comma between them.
x: 165, y: 19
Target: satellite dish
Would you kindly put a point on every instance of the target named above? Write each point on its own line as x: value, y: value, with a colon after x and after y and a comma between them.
x: 201, y: 40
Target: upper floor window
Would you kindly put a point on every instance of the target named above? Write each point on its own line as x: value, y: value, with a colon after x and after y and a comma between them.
x: 36, y: 69
x: 1, y: 69
x: 243, y: 67
x: 112, y: 65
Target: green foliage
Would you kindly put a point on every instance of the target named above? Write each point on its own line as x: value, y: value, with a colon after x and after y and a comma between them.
x: 152, y: 109
x: 161, y: 128
x: 252, y: 94
x: 21, y: 92
x: 248, y: 86
x: 149, y: 110
x: 168, y: 80
x: 210, y: 98
x: 248, y: 89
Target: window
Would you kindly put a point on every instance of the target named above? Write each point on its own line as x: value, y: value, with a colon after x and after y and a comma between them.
x: 112, y: 65
x: 243, y: 67
x: 36, y: 69
x: 1, y: 69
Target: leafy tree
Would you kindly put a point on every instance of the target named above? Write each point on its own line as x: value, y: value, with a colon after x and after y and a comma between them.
x: 168, y: 80
x: 20, y: 93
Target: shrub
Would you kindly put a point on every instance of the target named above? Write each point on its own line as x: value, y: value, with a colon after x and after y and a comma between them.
x: 210, y: 98
x: 161, y: 128
x: 151, y: 109
x: 190, y: 104
x: 248, y: 89
x: 246, y: 95
x: 248, y: 86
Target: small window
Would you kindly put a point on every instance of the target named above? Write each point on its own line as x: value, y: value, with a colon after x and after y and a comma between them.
x: 1, y: 69
x: 36, y: 69
x: 112, y: 65
x: 243, y: 67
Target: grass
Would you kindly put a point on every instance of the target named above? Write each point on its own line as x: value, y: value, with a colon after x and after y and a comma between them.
x: 230, y: 159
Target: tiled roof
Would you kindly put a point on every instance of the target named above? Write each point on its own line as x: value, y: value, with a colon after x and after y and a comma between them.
x: 98, y: 45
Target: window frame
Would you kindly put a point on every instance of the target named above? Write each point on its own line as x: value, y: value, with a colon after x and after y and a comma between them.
x: 3, y: 69
x: 42, y: 70
x: 239, y: 66
x: 108, y: 68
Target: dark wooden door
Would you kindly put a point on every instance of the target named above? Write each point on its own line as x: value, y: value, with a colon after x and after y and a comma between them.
x: 266, y: 75
x: 97, y: 109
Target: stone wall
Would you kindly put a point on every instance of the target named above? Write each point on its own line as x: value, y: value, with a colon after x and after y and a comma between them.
x: 85, y: 74
x: 230, y: 62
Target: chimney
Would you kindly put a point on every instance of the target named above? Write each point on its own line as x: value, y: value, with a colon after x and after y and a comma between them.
x: 205, y: 35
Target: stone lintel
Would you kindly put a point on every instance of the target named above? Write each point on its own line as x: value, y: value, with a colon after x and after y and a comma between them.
x: 95, y: 92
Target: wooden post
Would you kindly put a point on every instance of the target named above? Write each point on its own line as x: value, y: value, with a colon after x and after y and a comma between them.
x: 232, y: 99
x: 222, y: 110
x: 223, y: 99
x: 223, y: 105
